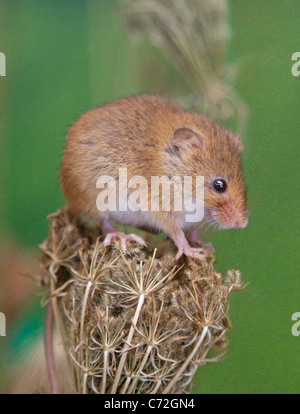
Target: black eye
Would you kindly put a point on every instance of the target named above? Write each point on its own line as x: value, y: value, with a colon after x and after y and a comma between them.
x: 220, y: 185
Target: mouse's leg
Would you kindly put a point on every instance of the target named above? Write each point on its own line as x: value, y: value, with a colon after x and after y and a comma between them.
x: 172, y: 225
x: 184, y: 247
x: 194, y: 238
x: 112, y: 234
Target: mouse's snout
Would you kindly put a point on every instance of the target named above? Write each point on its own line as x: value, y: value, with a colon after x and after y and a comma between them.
x: 230, y: 216
x: 241, y: 223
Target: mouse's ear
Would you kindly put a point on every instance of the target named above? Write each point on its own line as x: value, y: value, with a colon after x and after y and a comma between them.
x: 186, y: 138
x: 238, y: 140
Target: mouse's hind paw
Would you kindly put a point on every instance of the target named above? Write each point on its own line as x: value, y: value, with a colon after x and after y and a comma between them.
x: 189, y: 251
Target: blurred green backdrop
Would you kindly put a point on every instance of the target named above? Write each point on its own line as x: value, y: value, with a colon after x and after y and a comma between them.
x: 66, y: 57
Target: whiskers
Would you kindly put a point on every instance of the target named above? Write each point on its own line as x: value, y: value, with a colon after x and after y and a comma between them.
x: 207, y: 225
x: 210, y: 225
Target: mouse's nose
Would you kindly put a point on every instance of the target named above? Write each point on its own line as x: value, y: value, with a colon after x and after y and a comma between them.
x: 241, y: 223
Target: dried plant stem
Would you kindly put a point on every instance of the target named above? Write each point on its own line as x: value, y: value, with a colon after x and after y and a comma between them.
x: 58, y: 321
x: 50, y: 361
x: 127, y: 344
x: 103, y: 383
x: 168, y: 388
x: 156, y: 388
x: 82, y: 338
x: 149, y: 349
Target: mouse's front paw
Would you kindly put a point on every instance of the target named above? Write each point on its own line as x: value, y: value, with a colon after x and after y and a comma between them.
x: 124, y: 238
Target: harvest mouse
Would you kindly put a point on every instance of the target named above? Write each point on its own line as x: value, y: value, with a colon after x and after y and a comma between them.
x: 149, y: 136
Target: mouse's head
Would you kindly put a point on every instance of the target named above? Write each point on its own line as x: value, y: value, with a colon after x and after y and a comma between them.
x: 216, y: 154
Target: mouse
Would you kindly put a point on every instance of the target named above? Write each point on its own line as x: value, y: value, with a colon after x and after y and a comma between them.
x: 148, y: 136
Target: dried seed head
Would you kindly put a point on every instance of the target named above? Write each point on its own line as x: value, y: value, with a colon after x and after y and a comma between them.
x: 133, y: 323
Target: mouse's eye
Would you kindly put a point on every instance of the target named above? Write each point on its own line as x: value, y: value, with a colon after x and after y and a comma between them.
x: 220, y: 185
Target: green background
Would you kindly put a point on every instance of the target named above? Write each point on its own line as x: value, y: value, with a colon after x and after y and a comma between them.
x: 66, y: 57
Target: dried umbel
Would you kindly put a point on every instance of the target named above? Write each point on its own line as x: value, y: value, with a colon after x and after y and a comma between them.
x: 193, y: 35
x: 134, y: 322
